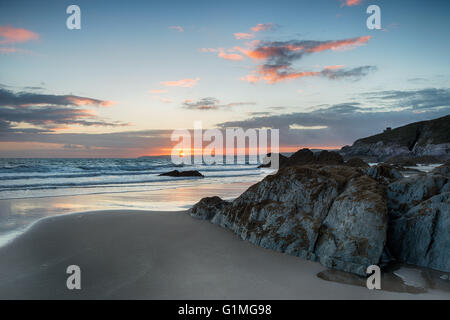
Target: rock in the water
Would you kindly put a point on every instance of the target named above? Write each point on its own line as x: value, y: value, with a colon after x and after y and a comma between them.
x: 353, y: 234
x: 384, y: 173
x: 207, y: 207
x: 357, y: 163
x: 422, y: 235
x: 176, y: 173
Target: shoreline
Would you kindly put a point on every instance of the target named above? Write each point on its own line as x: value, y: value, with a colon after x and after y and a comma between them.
x: 133, y: 254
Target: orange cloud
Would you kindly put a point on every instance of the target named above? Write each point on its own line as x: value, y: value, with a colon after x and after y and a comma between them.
x: 258, y: 28
x: 14, y: 35
x: 81, y: 101
x: 185, y: 83
x: 339, y: 44
x: 339, y: 66
x: 229, y: 56
x: 276, y: 74
x: 350, y: 3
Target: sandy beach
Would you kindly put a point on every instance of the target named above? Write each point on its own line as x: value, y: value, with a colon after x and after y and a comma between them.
x: 160, y: 255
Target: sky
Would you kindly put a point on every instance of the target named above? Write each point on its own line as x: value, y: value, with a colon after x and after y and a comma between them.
x: 137, y: 70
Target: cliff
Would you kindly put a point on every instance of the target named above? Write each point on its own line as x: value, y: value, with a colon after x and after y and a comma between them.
x: 425, y: 138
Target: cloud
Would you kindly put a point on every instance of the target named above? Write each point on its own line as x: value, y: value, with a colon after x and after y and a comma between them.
x: 258, y: 28
x: 274, y: 74
x: 343, y: 123
x: 221, y: 53
x: 9, y: 34
x: 417, y: 100
x: 178, y: 28
x: 185, y: 83
x: 22, y: 99
x: 156, y: 91
x: 279, y: 56
x: 262, y: 27
x: 243, y: 35
x: 210, y: 103
x: 350, y: 3
x: 47, y: 112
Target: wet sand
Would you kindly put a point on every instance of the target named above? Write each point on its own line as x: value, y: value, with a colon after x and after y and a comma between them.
x: 161, y: 255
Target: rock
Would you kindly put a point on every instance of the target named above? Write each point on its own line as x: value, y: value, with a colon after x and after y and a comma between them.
x: 281, y: 160
x: 353, y: 234
x: 357, y: 163
x: 286, y: 212
x: 410, y: 161
x: 443, y: 170
x: 207, y: 207
x: 422, y: 235
x: 301, y: 157
x: 406, y: 193
x: 425, y: 138
x: 384, y: 173
x: 176, y: 173
x: 329, y: 157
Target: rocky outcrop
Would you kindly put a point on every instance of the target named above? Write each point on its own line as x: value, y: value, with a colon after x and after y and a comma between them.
x: 301, y: 210
x: 267, y: 163
x: 356, y: 163
x: 384, y: 173
x: 329, y: 157
x: 406, y: 193
x: 353, y: 234
x: 425, y: 138
x: 207, y: 207
x: 176, y: 173
x: 344, y: 217
x: 422, y: 235
x: 443, y: 170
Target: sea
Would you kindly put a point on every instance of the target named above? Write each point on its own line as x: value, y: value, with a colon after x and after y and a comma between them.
x: 34, y: 189
x: 28, y: 178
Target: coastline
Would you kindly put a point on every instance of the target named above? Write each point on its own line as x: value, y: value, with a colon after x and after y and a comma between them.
x: 125, y: 254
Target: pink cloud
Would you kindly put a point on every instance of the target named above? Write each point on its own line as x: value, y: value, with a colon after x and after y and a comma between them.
x: 81, y: 101
x: 14, y: 35
x: 185, y: 83
x: 262, y: 27
x: 158, y: 91
x: 178, y: 28
x: 258, y: 28
x: 243, y: 35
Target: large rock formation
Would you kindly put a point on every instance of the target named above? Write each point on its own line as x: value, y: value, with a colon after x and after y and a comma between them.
x: 345, y: 217
x: 425, y: 138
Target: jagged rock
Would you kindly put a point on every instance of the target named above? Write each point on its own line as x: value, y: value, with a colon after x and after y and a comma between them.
x: 422, y: 235
x: 207, y: 207
x: 353, y: 234
x: 329, y: 157
x: 406, y: 193
x: 384, y: 173
x: 286, y: 212
x: 357, y: 163
x: 301, y: 157
x: 410, y: 161
x: 176, y: 173
x: 281, y: 161
x: 443, y: 170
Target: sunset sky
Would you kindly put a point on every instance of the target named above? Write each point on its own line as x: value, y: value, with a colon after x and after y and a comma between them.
x: 139, y: 69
